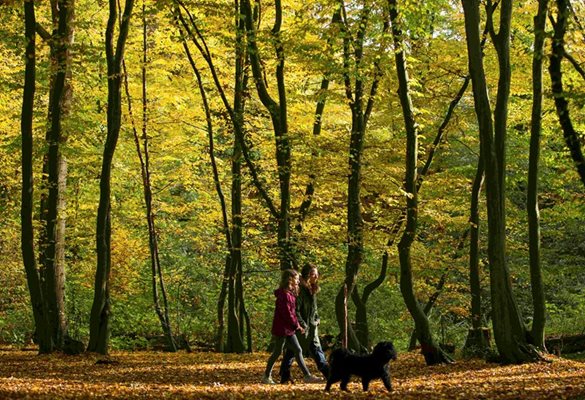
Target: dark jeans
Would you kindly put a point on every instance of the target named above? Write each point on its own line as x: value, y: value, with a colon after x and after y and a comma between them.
x: 293, y: 347
x: 316, y: 353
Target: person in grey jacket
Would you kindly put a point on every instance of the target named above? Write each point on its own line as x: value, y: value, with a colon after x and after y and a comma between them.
x: 308, y: 317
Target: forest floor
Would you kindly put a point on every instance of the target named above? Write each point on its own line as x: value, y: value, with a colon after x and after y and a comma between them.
x: 205, y: 375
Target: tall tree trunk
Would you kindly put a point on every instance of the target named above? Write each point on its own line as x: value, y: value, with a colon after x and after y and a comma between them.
x: 235, y: 337
x: 39, y: 308
x: 54, y: 172
x: 355, y: 221
x: 62, y: 328
x: 572, y: 137
x: 361, y: 322
x: 157, y: 279
x: 99, y: 324
x: 236, y: 301
x: 361, y: 104
x: 278, y: 115
x: 235, y: 334
x: 509, y: 330
x: 474, y: 273
x: 158, y: 282
x: 232, y: 288
x: 476, y: 342
x: 430, y: 349
x: 538, y: 320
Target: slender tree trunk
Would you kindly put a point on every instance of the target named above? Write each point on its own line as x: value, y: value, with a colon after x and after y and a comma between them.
x: 236, y: 295
x: 474, y: 273
x: 430, y: 349
x: 355, y: 221
x: 509, y: 330
x: 232, y: 288
x: 237, y: 309
x: 39, y: 310
x: 359, y: 114
x: 476, y: 341
x: 538, y: 302
x: 157, y: 279
x: 241, y: 84
x: 54, y: 172
x: 60, y: 274
x: 157, y: 275
x: 99, y: 328
x: 278, y: 115
x: 572, y: 137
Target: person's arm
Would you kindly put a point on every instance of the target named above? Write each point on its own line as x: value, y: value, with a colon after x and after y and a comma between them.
x: 299, y: 312
x: 291, y: 313
x: 317, y: 318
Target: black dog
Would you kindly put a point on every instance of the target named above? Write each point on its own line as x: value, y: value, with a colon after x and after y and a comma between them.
x: 344, y: 364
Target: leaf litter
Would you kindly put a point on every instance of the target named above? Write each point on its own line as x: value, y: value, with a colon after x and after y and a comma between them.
x: 207, y: 375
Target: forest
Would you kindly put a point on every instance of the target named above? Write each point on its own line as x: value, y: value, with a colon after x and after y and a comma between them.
x: 163, y: 161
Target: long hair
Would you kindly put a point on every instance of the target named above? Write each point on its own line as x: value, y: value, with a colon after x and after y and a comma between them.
x: 286, y: 277
x: 305, y: 271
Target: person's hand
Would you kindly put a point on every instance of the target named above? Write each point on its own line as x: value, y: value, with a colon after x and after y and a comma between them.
x: 318, y: 322
x: 302, y: 330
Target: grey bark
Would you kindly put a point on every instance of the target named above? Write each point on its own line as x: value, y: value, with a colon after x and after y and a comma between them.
x: 52, y: 238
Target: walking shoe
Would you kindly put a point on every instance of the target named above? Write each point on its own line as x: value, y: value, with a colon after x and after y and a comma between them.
x: 312, y: 379
x: 268, y: 380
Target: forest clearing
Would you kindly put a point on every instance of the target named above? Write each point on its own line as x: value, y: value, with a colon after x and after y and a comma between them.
x: 208, y: 375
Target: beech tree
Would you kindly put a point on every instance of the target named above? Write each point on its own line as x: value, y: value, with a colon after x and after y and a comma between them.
x: 360, y: 88
x: 51, y: 266
x: 159, y: 291
x: 39, y: 306
x: 509, y: 331
x: 538, y: 301
x: 278, y: 115
x: 430, y: 349
x: 52, y: 258
x: 570, y: 134
x: 238, y: 324
x: 99, y: 328
x: 476, y: 341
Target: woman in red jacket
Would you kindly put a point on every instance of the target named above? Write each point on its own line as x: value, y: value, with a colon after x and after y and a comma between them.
x: 284, y: 326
